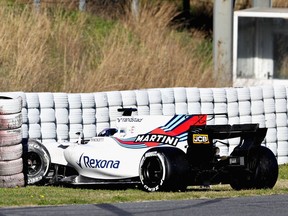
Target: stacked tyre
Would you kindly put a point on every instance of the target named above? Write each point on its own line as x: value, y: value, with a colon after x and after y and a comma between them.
x: 11, y: 163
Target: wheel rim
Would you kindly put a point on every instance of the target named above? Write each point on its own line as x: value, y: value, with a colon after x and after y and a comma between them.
x: 34, y: 163
x: 152, y: 172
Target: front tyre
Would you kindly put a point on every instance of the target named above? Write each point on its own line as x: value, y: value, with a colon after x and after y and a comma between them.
x: 164, y: 169
x: 37, y: 162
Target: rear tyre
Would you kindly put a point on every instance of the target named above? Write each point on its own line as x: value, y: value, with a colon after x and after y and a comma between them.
x: 266, y: 173
x: 164, y: 169
x: 37, y: 162
x: 263, y: 173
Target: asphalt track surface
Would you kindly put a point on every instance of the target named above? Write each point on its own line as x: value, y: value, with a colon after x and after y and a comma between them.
x: 273, y: 205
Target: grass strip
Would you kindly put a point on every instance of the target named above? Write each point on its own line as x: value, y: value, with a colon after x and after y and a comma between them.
x: 52, y: 195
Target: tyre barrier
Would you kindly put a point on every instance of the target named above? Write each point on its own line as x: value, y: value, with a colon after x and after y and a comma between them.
x: 11, y: 148
x: 54, y: 116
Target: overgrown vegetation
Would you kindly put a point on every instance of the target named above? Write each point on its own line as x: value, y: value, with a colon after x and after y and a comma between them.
x: 58, y: 48
x: 65, y: 50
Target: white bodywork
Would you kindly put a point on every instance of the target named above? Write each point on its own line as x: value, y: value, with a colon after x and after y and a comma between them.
x: 118, y: 156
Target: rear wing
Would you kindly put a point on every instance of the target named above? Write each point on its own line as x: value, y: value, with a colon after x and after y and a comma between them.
x: 250, y: 134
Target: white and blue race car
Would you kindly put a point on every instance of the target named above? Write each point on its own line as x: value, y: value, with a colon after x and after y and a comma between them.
x: 158, y: 153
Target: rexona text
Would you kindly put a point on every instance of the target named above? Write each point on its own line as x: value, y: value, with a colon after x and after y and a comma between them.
x: 158, y: 138
x: 98, y: 163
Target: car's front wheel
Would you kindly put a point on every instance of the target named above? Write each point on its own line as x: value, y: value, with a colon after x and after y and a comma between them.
x: 164, y: 169
x: 36, y: 162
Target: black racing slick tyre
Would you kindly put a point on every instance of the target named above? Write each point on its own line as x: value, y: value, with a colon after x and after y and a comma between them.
x: 164, y: 169
x: 37, y: 162
x: 266, y: 173
x: 263, y: 171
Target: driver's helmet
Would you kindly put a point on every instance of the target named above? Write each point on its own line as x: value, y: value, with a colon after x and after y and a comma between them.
x: 107, y: 132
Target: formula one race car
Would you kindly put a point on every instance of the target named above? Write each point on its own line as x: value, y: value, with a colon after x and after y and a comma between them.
x: 166, y: 153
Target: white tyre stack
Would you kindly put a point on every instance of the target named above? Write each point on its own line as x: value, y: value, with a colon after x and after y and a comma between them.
x: 233, y: 114
x: 143, y: 110
x: 114, y: 103
x: 73, y: 130
x: 168, y: 109
x: 142, y: 100
x: 101, y: 99
x: 129, y: 100
x: 220, y: 109
x: 46, y: 100
x: 89, y: 131
x: 102, y: 111
x: 75, y: 118
x: 75, y: 123
x: 114, y: 113
x: 281, y: 123
x: 244, y: 109
x: 89, y: 120
x: 11, y: 163
x: 87, y: 101
x: 101, y: 126
x: 220, y: 105
x: 244, y: 101
x: 47, y: 117
x: 167, y: 97
x: 74, y: 101
x: 102, y: 115
x: 62, y: 131
x: 193, y: 101
x: 34, y: 131
x: 181, y: 106
x: 155, y: 102
x: 33, y: 115
x: 269, y: 109
x: 232, y: 106
x: 207, y: 104
x: 257, y: 106
x: 62, y: 114
x: 88, y: 115
x: 271, y: 139
x: 269, y: 106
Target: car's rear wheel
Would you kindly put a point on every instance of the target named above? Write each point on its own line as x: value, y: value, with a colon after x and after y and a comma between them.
x: 164, y: 169
x: 266, y: 172
x: 263, y: 171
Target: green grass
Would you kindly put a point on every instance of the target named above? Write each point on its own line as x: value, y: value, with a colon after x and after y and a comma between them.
x: 283, y: 172
x: 52, y: 195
